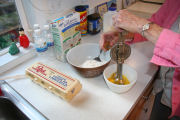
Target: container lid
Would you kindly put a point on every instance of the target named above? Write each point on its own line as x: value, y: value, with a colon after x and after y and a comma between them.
x: 94, y: 16
x: 80, y: 8
x: 46, y: 27
x: 36, y: 26
x: 112, y: 9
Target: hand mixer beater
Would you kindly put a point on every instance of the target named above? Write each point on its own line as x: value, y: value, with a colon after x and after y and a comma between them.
x: 120, y: 52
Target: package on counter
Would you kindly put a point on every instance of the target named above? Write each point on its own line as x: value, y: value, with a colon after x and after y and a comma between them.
x: 57, y: 82
x: 65, y: 34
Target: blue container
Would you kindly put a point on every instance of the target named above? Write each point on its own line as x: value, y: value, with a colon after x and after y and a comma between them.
x: 94, y: 23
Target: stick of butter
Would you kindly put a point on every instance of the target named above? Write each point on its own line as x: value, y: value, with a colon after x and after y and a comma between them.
x: 60, y: 84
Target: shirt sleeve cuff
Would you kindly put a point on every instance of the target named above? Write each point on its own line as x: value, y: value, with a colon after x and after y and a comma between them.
x: 164, y: 49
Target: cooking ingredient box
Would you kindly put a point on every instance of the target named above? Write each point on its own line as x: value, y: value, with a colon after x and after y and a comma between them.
x: 53, y: 80
x: 65, y: 34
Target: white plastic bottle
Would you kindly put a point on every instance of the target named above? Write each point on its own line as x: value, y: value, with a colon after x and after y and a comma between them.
x: 49, y: 40
x: 40, y: 43
x: 48, y: 36
x: 107, y: 19
x: 35, y: 27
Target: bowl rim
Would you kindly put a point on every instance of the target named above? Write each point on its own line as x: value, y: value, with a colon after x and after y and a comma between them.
x: 116, y: 85
x: 80, y: 66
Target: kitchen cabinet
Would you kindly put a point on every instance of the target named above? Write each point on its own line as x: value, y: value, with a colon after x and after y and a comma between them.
x: 143, y: 108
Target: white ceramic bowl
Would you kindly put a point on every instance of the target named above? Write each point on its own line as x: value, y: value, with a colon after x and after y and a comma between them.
x: 81, y: 53
x: 128, y: 71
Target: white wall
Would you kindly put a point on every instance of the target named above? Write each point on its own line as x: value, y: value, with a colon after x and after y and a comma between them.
x: 39, y: 11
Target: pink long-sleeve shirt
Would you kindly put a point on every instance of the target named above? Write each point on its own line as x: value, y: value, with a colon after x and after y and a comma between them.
x: 167, y: 47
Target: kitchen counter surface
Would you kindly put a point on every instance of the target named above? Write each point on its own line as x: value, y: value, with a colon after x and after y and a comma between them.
x: 95, y: 101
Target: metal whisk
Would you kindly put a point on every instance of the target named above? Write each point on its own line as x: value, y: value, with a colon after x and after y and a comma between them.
x: 119, y: 53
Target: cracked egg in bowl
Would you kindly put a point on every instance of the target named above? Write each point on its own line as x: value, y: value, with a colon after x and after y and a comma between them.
x: 129, y: 78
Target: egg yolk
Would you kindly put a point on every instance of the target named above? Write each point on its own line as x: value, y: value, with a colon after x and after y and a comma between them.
x: 112, y: 79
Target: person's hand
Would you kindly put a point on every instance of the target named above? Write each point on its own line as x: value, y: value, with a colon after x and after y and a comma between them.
x: 125, y: 20
x: 108, y: 39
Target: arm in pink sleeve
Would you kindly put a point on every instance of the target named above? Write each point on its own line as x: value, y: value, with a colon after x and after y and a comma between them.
x: 160, y: 15
x: 157, y: 18
x: 167, y: 14
x: 167, y: 49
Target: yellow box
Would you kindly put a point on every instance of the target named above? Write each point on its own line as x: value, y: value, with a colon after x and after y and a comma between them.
x: 58, y: 83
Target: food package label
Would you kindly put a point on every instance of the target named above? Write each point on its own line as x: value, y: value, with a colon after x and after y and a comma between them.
x: 65, y: 34
x: 55, y: 81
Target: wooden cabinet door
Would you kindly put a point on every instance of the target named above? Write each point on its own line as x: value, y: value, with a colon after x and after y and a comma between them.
x: 143, y: 108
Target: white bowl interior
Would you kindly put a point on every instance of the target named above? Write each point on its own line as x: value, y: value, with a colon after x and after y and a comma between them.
x: 128, y: 71
x: 79, y: 54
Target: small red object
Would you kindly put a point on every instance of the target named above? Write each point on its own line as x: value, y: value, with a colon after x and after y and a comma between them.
x: 1, y: 94
x: 23, y: 39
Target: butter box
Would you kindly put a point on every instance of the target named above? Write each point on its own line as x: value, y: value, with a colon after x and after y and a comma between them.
x: 65, y: 34
x: 58, y: 83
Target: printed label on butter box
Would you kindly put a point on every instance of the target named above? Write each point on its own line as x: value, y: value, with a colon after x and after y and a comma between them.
x: 54, y: 77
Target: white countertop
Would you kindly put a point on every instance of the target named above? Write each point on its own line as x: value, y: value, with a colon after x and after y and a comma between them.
x: 95, y: 101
